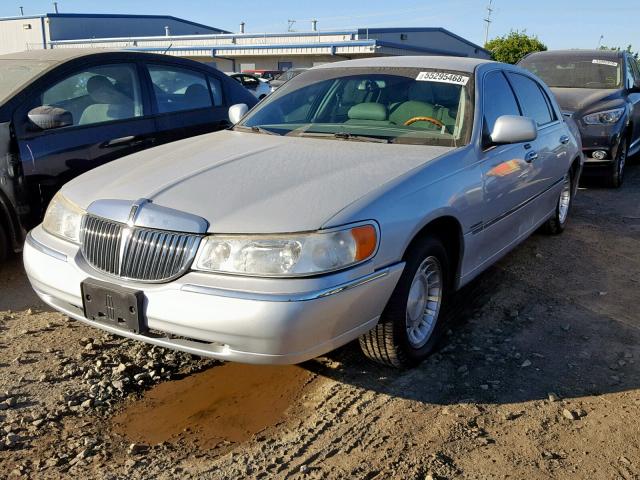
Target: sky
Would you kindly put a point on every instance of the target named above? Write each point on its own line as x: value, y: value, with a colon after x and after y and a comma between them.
x: 558, y: 23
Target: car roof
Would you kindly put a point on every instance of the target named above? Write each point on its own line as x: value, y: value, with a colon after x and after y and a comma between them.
x: 577, y: 53
x: 464, y: 64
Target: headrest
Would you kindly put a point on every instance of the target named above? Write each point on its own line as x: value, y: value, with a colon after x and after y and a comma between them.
x: 368, y: 111
x: 101, y: 90
x: 196, y: 90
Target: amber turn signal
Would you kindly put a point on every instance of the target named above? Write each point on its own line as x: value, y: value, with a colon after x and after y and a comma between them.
x: 366, y: 239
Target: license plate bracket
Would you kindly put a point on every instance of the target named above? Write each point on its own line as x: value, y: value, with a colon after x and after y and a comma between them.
x: 114, y: 305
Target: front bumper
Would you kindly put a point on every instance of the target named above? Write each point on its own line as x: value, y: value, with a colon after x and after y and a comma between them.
x: 265, y: 321
x: 600, y: 137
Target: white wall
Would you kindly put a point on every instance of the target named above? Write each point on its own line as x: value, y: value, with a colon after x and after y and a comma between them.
x: 15, y: 36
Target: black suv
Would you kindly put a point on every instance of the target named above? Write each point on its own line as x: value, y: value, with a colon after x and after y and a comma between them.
x: 600, y: 89
x: 65, y: 111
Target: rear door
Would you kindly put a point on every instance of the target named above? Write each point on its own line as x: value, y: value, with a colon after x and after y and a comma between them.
x: 108, y: 107
x: 186, y: 102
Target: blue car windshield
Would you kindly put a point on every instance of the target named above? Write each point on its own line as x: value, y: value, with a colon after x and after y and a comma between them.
x: 396, y: 105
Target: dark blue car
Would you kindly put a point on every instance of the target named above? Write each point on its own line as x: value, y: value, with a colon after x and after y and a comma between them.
x: 66, y: 111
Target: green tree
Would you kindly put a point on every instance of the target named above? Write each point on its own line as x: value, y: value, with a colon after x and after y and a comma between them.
x: 512, y: 47
x: 629, y: 49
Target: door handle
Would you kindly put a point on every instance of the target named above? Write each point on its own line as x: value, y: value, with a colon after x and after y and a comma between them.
x: 531, y: 156
x: 564, y: 139
x: 118, y: 142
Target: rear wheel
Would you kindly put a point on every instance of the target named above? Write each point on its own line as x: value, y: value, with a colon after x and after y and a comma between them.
x: 410, y: 325
x: 616, y: 174
x: 557, y: 223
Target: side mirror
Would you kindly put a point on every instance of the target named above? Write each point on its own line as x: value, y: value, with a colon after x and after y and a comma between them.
x: 236, y: 112
x: 47, y: 117
x: 514, y: 129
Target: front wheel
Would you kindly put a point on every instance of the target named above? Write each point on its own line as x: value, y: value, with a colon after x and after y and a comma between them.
x: 557, y: 223
x: 616, y: 174
x: 410, y: 325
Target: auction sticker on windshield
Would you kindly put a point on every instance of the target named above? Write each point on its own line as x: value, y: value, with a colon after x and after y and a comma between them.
x: 606, y: 62
x: 442, y: 77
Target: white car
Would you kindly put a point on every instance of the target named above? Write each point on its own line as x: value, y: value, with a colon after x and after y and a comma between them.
x: 258, y: 86
x: 349, y: 204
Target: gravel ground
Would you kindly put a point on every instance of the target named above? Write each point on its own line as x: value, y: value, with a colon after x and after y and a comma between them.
x: 538, y: 378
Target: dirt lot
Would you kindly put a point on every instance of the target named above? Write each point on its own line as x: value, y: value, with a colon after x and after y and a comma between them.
x: 539, y: 378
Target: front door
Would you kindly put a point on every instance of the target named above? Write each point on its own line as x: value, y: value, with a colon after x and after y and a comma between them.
x: 108, y: 121
x: 506, y: 171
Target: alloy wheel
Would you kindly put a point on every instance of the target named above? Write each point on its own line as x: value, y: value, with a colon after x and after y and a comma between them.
x: 423, y: 302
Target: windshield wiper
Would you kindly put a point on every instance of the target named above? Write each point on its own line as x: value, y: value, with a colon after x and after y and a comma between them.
x: 257, y: 129
x: 345, y: 136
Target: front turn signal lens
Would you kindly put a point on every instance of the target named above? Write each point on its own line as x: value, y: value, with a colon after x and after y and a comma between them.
x: 366, y: 241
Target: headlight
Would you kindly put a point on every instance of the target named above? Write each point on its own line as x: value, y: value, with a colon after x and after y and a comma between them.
x: 607, y: 117
x: 287, y: 255
x: 63, y: 219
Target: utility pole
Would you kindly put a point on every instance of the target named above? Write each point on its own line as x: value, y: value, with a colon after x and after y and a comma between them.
x: 488, y: 21
x: 291, y: 24
x: 600, y: 41
x: 22, y: 11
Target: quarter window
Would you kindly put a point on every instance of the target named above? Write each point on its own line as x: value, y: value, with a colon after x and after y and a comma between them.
x: 179, y: 89
x: 498, y: 101
x: 98, y: 94
x: 532, y: 100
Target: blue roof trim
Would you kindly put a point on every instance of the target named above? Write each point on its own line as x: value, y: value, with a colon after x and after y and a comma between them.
x: 349, y: 43
x: 116, y: 15
x: 363, y: 31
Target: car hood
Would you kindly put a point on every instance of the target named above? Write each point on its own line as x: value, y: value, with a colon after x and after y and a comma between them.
x: 583, y: 99
x: 253, y: 183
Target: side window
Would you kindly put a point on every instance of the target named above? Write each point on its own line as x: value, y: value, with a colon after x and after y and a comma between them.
x: 216, y: 91
x: 632, y: 71
x: 635, y: 68
x: 498, y: 100
x: 532, y: 99
x: 97, y: 94
x: 178, y: 89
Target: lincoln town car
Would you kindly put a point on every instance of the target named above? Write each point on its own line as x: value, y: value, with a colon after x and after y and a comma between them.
x: 349, y: 204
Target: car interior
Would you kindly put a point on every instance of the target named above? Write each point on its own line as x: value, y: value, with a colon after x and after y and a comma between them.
x: 384, y: 101
x: 99, y: 95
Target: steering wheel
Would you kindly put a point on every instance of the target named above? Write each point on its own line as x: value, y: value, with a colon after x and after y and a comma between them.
x: 432, y: 120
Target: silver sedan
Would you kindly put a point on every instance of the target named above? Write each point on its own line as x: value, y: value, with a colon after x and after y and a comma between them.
x: 349, y: 204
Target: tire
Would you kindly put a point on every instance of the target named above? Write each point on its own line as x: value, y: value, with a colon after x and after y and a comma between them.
x: 390, y: 342
x: 616, y: 174
x: 558, y: 222
x: 4, y: 244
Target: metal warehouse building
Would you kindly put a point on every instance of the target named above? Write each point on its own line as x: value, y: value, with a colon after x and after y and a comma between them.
x: 42, y: 31
x: 228, y: 51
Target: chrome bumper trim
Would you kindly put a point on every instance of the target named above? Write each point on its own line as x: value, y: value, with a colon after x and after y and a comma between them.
x: 292, y: 297
x: 44, y: 249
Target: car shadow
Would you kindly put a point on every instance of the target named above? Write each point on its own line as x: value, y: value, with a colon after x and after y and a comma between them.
x: 508, y: 341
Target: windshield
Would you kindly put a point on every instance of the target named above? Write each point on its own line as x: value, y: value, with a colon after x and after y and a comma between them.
x: 399, y: 105
x: 582, y: 72
x: 14, y: 74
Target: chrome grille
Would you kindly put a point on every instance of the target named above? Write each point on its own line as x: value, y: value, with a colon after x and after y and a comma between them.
x: 136, y: 253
